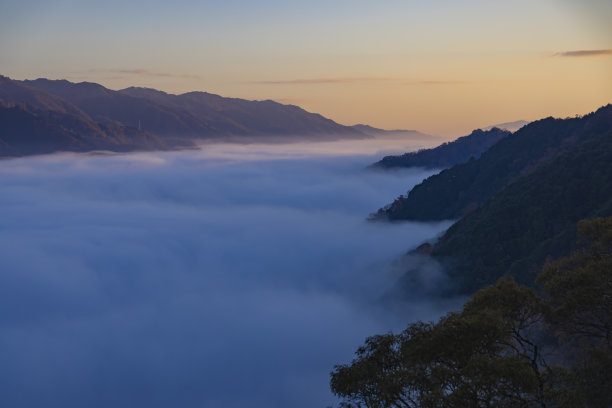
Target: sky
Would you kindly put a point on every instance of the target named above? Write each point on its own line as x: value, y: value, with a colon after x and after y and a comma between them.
x: 212, y: 278
x: 442, y: 67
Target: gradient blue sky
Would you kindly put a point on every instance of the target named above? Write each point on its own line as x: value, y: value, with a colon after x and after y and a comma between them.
x: 442, y: 67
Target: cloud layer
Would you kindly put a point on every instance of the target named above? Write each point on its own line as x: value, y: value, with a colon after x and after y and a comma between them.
x: 193, y: 279
x: 319, y: 81
x: 355, y: 80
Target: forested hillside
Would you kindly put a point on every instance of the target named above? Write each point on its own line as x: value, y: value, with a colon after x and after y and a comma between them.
x: 447, y: 154
x: 531, y: 220
x: 457, y: 191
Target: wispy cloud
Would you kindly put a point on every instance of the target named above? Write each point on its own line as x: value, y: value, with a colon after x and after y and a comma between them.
x: 356, y: 80
x: 146, y: 72
x: 440, y: 82
x: 584, y: 53
x: 315, y: 81
x: 129, y: 71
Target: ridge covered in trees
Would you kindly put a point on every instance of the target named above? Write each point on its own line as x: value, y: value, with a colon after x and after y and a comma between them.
x: 461, y: 189
x: 447, y: 154
x: 531, y: 220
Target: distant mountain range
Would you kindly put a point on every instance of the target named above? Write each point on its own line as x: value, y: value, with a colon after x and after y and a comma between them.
x: 395, y: 133
x: 447, y: 154
x: 43, y: 116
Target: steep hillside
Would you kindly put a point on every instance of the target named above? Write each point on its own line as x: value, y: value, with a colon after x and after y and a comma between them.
x: 33, y: 121
x: 532, y: 220
x: 15, y: 91
x: 26, y: 130
x: 457, y: 191
x: 447, y: 154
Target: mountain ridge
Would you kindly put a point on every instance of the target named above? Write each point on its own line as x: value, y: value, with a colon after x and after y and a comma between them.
x: 87, y: 115
x: 455, y: 192
x: 447, y: 154
x: 192, y: 114
x: 531, y: 221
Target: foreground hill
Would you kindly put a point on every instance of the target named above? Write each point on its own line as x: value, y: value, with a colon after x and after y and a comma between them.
x: 447, y: 154
x: 507, y: 346
x: 457, y: 191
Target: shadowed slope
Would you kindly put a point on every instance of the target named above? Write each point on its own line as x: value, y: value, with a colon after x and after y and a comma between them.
x: 463, y: 188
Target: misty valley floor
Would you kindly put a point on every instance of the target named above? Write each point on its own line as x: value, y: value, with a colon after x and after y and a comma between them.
x: 227, y: 277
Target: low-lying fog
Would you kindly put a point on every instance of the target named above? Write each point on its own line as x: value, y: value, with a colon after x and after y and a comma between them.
x: 235, y: 276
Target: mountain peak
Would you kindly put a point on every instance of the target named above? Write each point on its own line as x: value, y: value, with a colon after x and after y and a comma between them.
x: 510, y: 126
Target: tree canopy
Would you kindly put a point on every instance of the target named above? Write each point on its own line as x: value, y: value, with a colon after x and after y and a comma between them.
x: 507, y: 347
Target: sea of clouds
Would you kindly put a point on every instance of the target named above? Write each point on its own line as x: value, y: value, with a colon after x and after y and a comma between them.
x: 234, y: 276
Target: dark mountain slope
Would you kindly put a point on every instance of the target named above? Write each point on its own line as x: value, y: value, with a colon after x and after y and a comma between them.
x: 34, y: 121
x: 461, y: 189
x: 26, y: 130
x: 23, y: 132
x: 447, y: 154
x: 531, y: 220
x: 14, y: 91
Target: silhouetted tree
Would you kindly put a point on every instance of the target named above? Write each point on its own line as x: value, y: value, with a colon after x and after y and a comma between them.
x: 507, y: 347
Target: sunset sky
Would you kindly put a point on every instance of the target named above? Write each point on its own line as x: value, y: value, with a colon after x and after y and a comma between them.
x: 442, y: 67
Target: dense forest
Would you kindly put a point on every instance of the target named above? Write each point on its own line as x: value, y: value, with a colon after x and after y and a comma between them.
x: 510, y: 345
x: 531, y: 220
x: 526, y: 203
x: 457, y: 191
x: 447, y: 154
